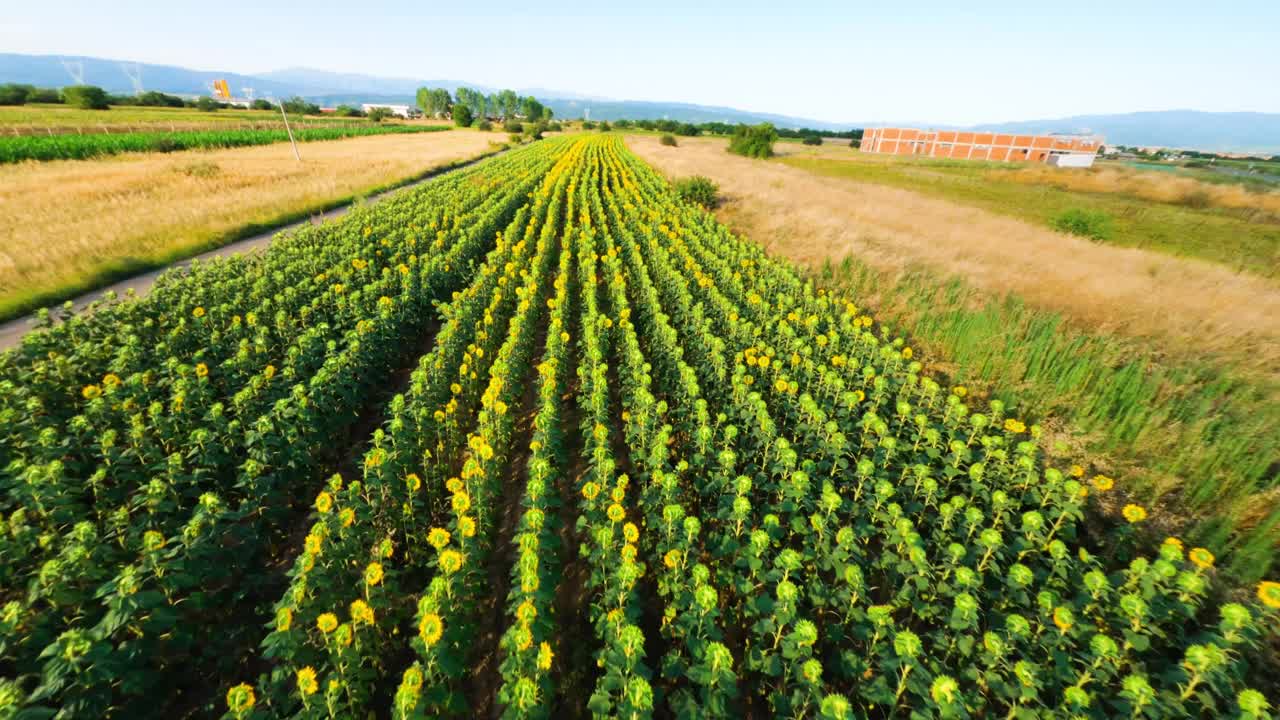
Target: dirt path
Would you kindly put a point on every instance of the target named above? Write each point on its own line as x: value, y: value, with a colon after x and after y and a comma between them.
x: 1183, y: 305
x: 12, y: 332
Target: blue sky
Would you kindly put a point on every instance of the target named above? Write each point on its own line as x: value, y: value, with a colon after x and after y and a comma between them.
x: 945, y: 62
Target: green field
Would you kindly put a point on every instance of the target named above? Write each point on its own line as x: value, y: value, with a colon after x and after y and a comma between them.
x: 38, y: 117
x: 539, y: 439
x: 1235, y: 238
x: 91, y: 145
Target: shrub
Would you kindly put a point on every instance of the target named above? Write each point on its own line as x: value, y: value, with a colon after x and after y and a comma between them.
x: 378, y: 114
x: 49, y: 96
x: 1093, y: 224
x: 604, y: 126
x: 588, y: 125
x: 698, y: 190
x: 513, y: 126
x: 164, y: 145
x: 349, y: 111
x: 85, y: 97
x: 554, y: 127
x: 261, y: 104
x: 811, y: 140
x: 206, y: 104
x: 152, y: 98
x: 15, y: 94
x: 1197, y: 198
x: 204, y: 170
x: 668, y: 140
x: 484, y: 125
x: 462, y: 116
x: 753, y: 141
x: 515, y: 138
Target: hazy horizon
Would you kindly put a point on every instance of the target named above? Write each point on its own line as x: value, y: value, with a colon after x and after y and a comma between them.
x: 824, y: 61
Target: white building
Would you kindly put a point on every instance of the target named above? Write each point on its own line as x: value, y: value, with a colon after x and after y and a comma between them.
x: 404, y: 111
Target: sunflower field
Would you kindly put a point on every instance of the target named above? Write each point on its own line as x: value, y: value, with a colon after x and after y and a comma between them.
x: 539, y: 439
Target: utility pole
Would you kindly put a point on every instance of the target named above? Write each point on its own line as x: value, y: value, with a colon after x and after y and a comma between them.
x: 287, y: 129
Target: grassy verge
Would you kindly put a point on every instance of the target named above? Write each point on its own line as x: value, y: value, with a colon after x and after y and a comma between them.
x: 1196, y: 440
x: 1238, y: 238
x: 76, y: 226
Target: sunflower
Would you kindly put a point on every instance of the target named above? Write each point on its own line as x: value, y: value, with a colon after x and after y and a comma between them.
x: 91, y: 392
x: 671, y: 559
x: 461, y: 502
x: 590, y: 491
x: 284, y: 619
x: 467, y: 526
x: 1014, y: 426
x: 1269, y: 594
x: 430, y: 629
x: 1103, y: 483
x: 1134, y: 513
x: 616, y: 513
x: 451, y: 561
x: 545, y: 656
x: 1063, y: 618
x: 324, y: 503
x: 327, y: 622
x: 373, y: 574
x: 1201, y: 558
x: 413, y: 482
x: 361, y: 613
x: 307, y: 684
x: 198, y: 312
x: 631, y: 532
x: 438, y: 538
x: 240, y: 699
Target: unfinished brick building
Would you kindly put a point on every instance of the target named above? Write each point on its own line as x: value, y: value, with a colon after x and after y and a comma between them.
x: 1066, y: 150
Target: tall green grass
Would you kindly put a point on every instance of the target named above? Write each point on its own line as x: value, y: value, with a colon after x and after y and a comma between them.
x: 82, y: 147
x: 1199, y: 440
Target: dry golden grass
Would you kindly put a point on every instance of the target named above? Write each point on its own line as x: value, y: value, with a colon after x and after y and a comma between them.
x: 66, y: 221
x: 1189, y: 307
x: 1158, y: 186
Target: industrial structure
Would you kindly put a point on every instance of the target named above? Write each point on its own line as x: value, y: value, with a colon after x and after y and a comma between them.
x: 1053, y: 149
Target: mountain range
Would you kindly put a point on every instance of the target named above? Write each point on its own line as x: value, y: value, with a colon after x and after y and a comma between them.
x: 1219, y: 131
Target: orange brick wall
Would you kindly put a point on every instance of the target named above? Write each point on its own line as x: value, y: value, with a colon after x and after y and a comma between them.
x: 968, y: 145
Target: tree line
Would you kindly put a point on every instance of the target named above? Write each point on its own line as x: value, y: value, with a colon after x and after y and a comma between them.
x: 465, y: 106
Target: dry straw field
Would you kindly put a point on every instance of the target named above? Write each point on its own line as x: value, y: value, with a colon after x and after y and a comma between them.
x: 141, y: 211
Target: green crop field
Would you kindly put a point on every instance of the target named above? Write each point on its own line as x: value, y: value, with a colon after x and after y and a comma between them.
x: 81, y: 147
x: 538, y: 439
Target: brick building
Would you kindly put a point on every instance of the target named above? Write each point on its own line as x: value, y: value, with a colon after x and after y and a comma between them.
x: 1067, y: 150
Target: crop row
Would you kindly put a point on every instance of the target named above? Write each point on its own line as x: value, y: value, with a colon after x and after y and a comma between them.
x: 91, y: 145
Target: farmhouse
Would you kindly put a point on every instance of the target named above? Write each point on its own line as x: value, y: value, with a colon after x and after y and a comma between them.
x: 1053, y: 149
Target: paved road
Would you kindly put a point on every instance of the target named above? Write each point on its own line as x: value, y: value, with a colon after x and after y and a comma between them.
x: 12, y: 332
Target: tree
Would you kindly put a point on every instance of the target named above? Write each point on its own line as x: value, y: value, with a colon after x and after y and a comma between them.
x: 508, y: 103
x: 299, y: 106
x: 261, y: 104
x: 85, y: 97
x: 378, y: 114
x: 350, y: 111
x: 435, y: 102
x: 531, y: 109
x: 206, y: 104
x: 15, y: 94
x: 754, y: 141
x: 462, y: 115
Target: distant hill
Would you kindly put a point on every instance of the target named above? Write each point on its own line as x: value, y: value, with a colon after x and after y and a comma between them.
x: 1239, y: 132
x: 1192, y: 129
